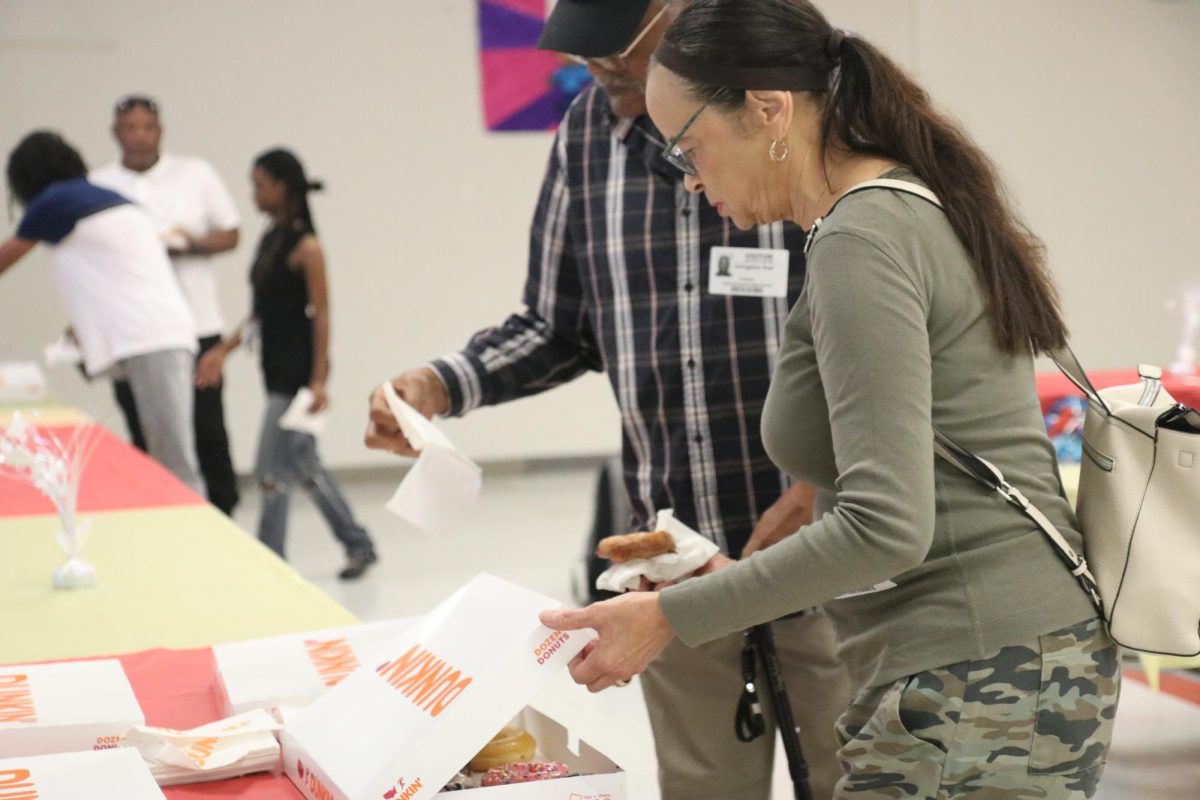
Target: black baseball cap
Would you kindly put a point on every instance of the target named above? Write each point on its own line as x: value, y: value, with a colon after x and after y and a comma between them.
x: 592, y: 28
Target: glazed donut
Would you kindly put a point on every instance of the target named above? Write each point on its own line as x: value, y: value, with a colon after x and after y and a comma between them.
x: 509, y: 745
x: 523, y: 772
x: 632, y: 546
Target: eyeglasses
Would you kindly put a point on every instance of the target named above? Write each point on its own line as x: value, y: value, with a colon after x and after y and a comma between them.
x: 130, y: 102
x: 614, y: 61
x: 676, y: 157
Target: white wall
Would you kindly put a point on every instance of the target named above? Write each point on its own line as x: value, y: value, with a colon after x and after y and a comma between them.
x: 424, y: 219
x: 1089, y: 107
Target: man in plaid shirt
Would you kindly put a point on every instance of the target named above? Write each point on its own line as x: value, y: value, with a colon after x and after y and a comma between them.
x: 623, y: 278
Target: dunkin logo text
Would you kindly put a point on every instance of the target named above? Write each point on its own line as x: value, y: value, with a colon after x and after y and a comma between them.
x: 426, y: 680
x: 550, y: 646
x: 17, y: 784
x: 403, y: 790
x: 16, y: 699
x: 313, y: 783
x: 202, y: 750
x: 332, y: 658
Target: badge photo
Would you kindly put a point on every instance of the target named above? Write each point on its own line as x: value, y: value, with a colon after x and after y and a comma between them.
x: 748, y: 272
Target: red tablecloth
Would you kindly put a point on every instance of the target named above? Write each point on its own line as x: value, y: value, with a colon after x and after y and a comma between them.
x: 116, y: 476
x: 179, y: 689
x: 1053, y: 386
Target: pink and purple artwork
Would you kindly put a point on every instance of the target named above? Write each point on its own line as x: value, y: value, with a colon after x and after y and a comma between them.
x: 524, y: 89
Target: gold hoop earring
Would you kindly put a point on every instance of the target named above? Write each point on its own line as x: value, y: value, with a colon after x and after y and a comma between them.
x: 778, y: 155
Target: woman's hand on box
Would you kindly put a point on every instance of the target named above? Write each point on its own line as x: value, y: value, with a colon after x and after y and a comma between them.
x: 633, y: 631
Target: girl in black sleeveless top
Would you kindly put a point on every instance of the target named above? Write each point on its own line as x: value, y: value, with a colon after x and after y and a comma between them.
x: 291, y: 308
x: 281, y: 307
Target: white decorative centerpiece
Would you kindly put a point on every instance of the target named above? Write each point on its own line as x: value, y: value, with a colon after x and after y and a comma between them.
x: 54, y: 468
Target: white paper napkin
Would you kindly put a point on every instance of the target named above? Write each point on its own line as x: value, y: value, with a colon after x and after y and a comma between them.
x: 224, y: 749
x: 298, y: 418
x: 173, y: 238
x: 443, y: 483
x: 692, y: 551
x: 63, y: 351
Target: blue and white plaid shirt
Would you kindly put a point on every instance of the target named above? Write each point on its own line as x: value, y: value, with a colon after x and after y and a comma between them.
x: 618, y: 281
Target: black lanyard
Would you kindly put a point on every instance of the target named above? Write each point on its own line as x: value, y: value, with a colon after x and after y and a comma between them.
x: 749, y: 723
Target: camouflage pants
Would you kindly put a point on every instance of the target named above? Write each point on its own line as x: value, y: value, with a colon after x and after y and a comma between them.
x: 1033, y: 721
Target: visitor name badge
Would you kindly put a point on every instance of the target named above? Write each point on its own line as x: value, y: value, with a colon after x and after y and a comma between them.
x: 748, y: 272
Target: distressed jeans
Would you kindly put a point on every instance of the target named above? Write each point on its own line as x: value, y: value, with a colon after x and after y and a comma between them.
x: 288, y: 459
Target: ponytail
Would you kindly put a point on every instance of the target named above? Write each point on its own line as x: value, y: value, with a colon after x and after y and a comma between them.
x: 872, y: 107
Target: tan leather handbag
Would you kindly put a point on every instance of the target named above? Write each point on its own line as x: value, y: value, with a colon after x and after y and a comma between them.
x: 1139, y: 508
x: 1139, y: 505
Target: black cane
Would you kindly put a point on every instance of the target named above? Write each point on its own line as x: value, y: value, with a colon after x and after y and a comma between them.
x: 764, y: 644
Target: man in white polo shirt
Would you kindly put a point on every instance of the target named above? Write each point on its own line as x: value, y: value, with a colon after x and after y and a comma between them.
x: 195, y: 218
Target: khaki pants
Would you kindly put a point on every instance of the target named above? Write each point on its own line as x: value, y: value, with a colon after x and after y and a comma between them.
x: 692, y: 697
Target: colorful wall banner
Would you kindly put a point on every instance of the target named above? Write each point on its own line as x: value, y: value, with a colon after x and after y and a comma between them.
x: 524, y: 89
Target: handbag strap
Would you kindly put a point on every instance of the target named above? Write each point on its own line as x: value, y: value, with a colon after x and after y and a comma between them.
x: 878, y: 183
x: 1068, y: 363
x: 908, y: 187
x: 991, y: 477
x: 983, y: 470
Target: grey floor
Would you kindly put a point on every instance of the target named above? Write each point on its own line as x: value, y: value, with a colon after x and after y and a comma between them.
x: 529, y: 527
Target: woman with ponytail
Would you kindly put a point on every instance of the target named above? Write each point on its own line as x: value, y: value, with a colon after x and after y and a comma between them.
x: 982, y: 666
x: 291, y: 310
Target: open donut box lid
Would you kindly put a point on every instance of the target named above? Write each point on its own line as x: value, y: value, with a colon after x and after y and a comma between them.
x: 401, y: 727
x: 295, y: 669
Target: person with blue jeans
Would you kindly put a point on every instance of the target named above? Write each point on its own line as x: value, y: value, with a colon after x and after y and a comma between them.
x: 291, y: 309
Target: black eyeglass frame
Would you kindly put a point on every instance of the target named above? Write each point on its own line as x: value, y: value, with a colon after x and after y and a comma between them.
x: 676, y: 157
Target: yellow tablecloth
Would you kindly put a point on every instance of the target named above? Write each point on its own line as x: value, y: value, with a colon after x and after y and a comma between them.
x: 49, y: 413
x: 166, y: 577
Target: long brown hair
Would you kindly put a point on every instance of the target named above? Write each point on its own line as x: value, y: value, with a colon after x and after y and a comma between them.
x: 872, y: 107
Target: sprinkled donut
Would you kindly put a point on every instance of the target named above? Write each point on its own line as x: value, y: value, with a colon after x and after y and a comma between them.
x: 524, y: 772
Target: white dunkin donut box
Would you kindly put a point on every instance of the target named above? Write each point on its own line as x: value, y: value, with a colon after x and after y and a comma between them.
x: 100, y: 775
x: 400, y: 728
x: 295, y: 669
x: 60, y: 708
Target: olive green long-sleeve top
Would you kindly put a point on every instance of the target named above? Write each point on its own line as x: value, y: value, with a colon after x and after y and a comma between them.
x: 889, y: 337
